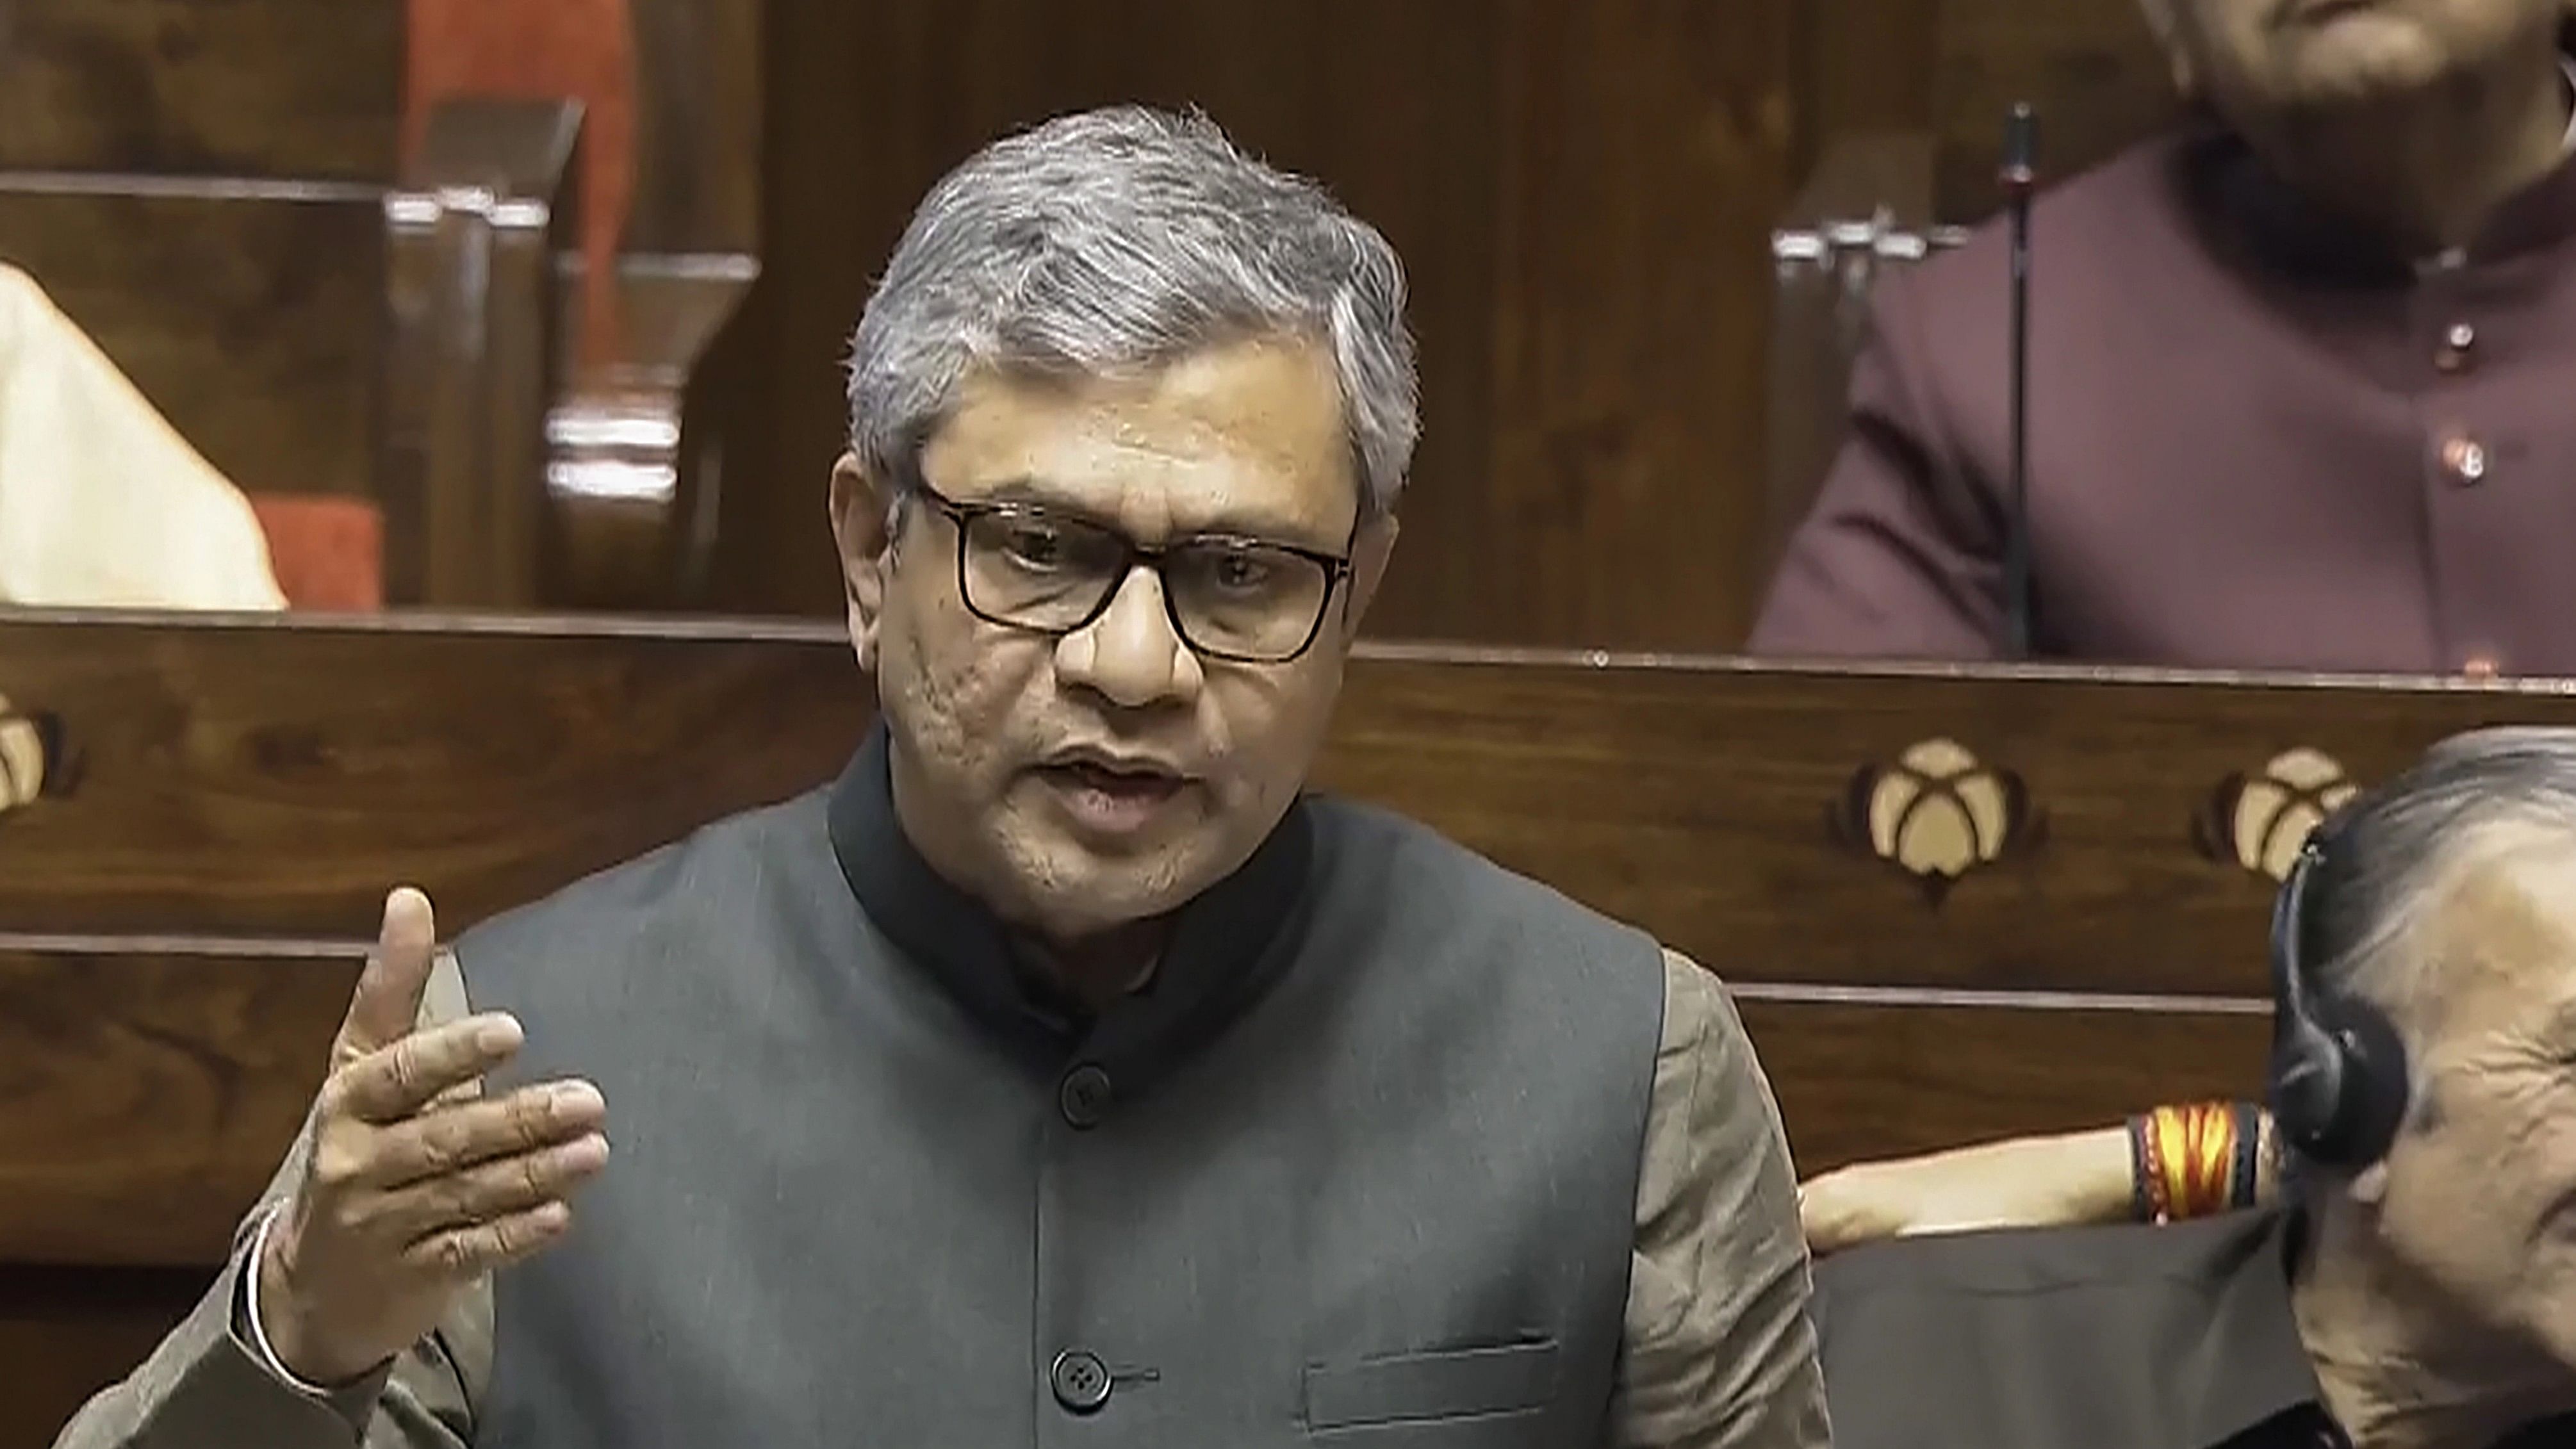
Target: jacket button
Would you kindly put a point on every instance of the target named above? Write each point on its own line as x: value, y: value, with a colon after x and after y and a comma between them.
x: 1080, y: 1381
x: 2464, y: 460
x: 1084, y: 1096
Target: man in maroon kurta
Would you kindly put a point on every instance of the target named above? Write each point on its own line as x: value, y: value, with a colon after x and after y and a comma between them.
x: 2302, y: 381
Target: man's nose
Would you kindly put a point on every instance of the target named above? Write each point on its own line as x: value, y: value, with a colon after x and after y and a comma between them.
x: 1131, y: 654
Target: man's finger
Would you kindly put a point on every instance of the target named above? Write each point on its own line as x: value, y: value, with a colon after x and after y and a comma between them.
x: 386, y: 1005
x: 448, y: 1139
x: 494, y: 1190
x: 394, y: 1082
x: 462, y: 1253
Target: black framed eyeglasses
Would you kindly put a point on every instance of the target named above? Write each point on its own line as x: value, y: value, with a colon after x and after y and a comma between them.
x: 1248, y: 600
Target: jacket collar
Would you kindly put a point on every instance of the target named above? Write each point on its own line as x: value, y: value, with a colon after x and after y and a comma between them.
x: 1225, y: 949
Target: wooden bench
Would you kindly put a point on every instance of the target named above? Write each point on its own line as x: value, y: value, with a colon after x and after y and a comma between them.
x: 186, y: 884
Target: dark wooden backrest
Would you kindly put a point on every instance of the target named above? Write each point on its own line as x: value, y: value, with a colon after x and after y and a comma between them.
x: 272, y: 88
x: 251, y: 314
x: 199, y: 187
x: 1951, y: 903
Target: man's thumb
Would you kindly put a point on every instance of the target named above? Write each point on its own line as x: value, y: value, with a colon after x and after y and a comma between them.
x: 386, y: 1005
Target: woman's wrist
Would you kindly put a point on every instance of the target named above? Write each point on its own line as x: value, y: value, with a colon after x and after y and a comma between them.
x: 2195, y: 1161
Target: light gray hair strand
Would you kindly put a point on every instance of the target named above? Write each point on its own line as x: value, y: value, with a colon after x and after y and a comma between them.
x: 1115, y: 241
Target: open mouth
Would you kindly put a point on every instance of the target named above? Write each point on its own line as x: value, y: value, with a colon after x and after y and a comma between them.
x: 1109, y: 799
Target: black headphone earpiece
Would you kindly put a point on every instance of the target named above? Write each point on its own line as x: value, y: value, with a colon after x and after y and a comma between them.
x: 2338, y: 1083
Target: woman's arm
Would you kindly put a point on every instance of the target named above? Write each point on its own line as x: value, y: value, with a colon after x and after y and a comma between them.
x: 2173, y: 1162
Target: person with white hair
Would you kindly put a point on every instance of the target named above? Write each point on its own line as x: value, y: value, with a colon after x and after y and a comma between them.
x: 2413, y: 1285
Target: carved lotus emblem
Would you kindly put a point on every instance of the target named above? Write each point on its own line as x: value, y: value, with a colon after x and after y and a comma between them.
x: 1936, y: 813
x: 2260, y: 820
x: 31, y: 757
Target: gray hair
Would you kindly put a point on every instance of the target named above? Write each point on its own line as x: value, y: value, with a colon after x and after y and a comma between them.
x: 1113, y: 242
x: 2391, y: 847
x: 2387, y: 854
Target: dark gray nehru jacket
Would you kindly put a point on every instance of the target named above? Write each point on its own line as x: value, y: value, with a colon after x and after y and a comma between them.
x: 1361, y: 1165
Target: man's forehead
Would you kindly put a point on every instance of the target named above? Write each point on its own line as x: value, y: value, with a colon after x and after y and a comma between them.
x: 1249, y: 431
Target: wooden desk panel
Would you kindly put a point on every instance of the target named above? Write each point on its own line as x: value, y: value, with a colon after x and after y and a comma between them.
x: 150, y: 1094
x: 1693, y: 798
x: 273, y: 777
x: 66, y: 1333
x: 276, y: 777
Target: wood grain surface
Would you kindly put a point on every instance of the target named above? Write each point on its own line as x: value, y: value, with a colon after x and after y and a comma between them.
x: 1581, y: 193
x: 253, y: 321
x: 273, y: 777
x: 304, y: 88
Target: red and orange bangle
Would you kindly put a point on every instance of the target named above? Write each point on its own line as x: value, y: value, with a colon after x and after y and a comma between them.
x: 2192, y: 1161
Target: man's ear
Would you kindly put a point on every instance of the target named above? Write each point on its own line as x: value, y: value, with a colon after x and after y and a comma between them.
x: 2369, y: 1187
x: 1371, y: 547
x: 862, y: 514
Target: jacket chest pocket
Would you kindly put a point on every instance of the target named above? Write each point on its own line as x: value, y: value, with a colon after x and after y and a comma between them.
x: 1444, y: 1396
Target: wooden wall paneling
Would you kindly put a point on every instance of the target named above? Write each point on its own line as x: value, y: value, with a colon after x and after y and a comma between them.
x: 1733, y: 774
x: 700, y: 70
x: 845, y: 89
x: 2090, y: 68
x: 1644, y: 150
x: 252, y: 318
x: 1389, y: 105
x: 1861, y: 71
x: 242, y: 87
x: 1417, y: 141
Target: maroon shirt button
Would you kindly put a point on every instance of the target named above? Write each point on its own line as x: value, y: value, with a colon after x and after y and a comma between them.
x: 2459, y: 342
x: 2465, y: 460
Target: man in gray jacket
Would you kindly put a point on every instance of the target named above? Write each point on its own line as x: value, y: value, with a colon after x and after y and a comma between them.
x: 1063, y: 1075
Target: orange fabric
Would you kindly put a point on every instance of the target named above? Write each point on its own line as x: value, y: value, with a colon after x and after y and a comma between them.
x: 328, y: 553
x: 542, y: 49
